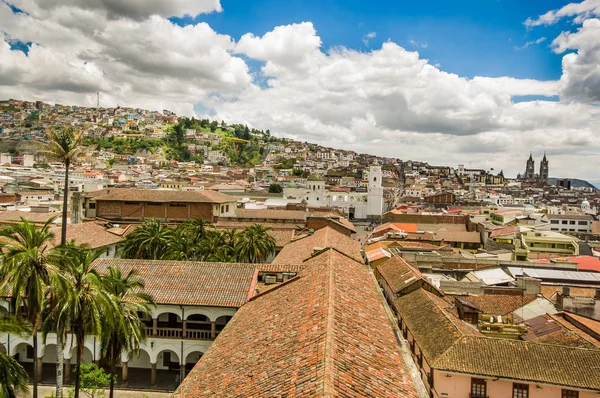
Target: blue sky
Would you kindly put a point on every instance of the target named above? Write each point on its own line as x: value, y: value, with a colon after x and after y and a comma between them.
x: 470, y: 38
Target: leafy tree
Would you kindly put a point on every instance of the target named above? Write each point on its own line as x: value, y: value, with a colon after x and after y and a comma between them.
x: 64, y: 146
x: 24, y: 267
x: 254, y: 245
x: 148, y: 241
x: 13, y: 378
x: 82, y: 303
x: 94, y: 380
x: 125, y: 331
x: 275, y: 188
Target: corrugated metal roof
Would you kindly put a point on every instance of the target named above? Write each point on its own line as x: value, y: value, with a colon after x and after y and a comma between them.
x: 555, y: 274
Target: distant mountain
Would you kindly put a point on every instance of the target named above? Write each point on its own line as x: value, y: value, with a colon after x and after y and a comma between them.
x: 575, y: 182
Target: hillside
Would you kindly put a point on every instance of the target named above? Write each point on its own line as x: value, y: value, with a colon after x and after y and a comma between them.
x: 575, y: 182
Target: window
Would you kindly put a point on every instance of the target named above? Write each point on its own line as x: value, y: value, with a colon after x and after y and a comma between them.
x: 92, y: 206
x: 227, y: 208
x: 572, y: 222
x: 520, y: 390
x: 177, y: 205
x: 553, y: 221
x: 478, y: 388
x: 583, y: 223
x: 132, y: 203
x: 570, y: 394
x: 565, y: 222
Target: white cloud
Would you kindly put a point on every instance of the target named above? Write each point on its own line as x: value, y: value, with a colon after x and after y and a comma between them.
x: 367, y: 37
x: 135, y: 9
x: 417, y: 44
x: 581, y: 11
x: 386, y: 100
x: 530, y: 43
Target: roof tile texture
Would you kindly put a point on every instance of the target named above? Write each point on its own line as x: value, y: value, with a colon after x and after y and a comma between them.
x: 323, y: 334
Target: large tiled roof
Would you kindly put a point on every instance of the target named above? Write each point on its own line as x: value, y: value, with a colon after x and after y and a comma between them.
x: 398, y: 274
x: 157, y: 195
x: 324, y: 333
x: 273, y: 214
x: 524, y: 361
x: 432, y: 328
x: 499, y: 304
x: 91, y: 234
x: 34, y: 217
x: 301, y: 249
x: 190, y: 282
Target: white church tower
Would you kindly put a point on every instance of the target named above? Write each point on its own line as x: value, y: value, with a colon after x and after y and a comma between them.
x: 375, y: 194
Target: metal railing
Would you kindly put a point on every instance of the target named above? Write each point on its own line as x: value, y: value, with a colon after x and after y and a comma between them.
x: 177, y: 333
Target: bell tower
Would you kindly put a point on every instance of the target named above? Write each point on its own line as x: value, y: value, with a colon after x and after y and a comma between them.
x: 375, y: 193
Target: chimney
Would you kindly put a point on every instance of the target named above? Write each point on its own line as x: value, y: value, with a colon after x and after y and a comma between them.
x: 566, y: 291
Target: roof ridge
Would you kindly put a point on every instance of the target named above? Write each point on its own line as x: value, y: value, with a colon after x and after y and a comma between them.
x: 329, y: 349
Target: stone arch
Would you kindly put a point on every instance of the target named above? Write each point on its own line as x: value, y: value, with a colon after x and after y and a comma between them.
x: 3, y: 349
x: 88, y: 355
x: 221, y: 322
x: 198, y: 311
x: 167, y: 358
x: 140, y: 359
x: 192, y: 358
x: 22, y: 352
x: 164, y: 309
x: 49, y: 353
x: 168, y: 318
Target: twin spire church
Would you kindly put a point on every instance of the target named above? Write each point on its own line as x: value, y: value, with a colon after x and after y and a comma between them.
x: 530, y: 175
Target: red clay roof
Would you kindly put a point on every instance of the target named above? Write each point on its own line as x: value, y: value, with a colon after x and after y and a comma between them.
x: 325, y: 333
x: 163, y: 196
x: 301, y: 249
x: 406, y: 227
x: 189, y: 282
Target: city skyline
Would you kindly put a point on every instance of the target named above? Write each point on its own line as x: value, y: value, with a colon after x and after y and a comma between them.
x: 481, y: 84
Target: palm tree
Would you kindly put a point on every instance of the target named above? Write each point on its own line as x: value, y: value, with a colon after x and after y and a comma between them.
x: 148, y: 241
x: 195, y: 228
x: 24, y: 268
x: 82, y: 302
x: 181, y: 247
x: 125, y: 331
x: 12, y: 375
x: 219, y: 246
x: 254, y: 245
x: 64, y: 146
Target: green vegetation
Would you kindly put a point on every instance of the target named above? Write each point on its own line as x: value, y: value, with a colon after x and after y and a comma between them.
x: 239, y: 142
x: 64, y: 294
x: 13, y: 378
x: 284, y: 163
x: 196, y: 240
x: 275, y: 188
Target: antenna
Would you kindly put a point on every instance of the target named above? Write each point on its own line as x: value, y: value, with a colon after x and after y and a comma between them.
x: 98, y: 100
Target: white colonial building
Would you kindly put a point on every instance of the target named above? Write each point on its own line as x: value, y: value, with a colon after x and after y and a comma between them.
x: 194, y: 302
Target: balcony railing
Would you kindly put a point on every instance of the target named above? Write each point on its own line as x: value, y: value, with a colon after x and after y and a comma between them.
x: 177, y: 333
x: 472, y: 395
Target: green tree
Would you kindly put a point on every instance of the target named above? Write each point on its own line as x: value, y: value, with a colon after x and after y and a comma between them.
x: 254, y: 245
x: 148, y: 241
x: 82, y: 302
x: 275, y: 188
x: 94, y: 380
x: 25, y: 269
x: 13, y: 377
x: 64, y: 146
x: 125, y: 331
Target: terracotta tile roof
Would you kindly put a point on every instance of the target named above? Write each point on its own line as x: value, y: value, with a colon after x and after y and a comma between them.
x: 398, y: 274
x: 523, y: 361
x: 158, y: 195
x: 324, y: 333
x: 503, y: 231
x: 456, y: 236
x: 550, y: 292
x: 498, y: 304
x: 592, y: 325
x: 444, y: 227
x: 266, y: 214
x: 568, y: 321
x: 266, y: 267
x: 396, y: 227
x: 377, y: 254
x: 92, y: 234
x: 547, y: 329
x: 431, y: 327
x: 190, y: 282
x: 35, y: 217
x: 301, y: 249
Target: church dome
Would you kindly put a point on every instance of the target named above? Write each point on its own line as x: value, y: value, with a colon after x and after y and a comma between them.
x: 585, y: 205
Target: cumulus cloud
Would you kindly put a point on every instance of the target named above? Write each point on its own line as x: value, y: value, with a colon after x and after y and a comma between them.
x: 386, y: 100
x: 580, y: 11
x: 135, y: 9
